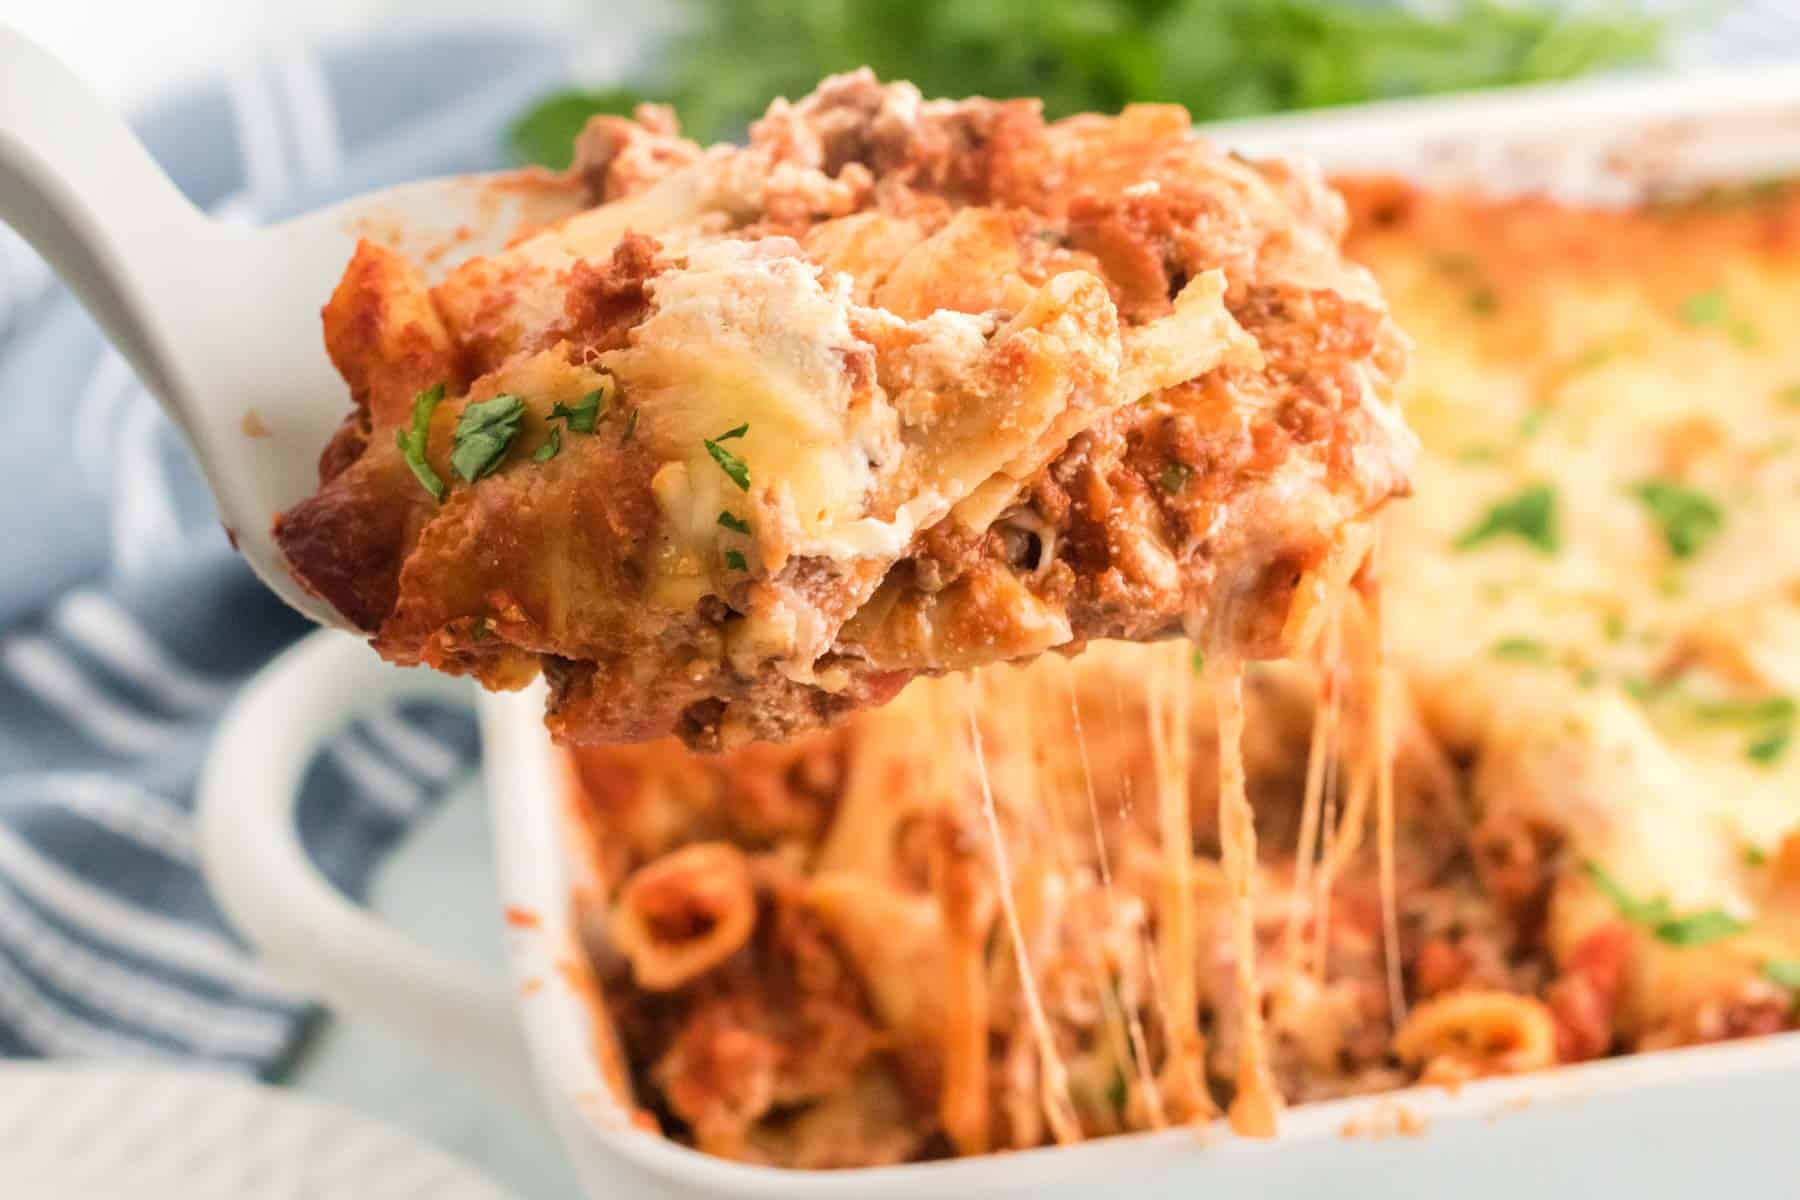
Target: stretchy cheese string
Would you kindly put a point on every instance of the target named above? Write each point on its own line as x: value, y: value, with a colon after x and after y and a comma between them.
x: 1322, y: 881
x: 963, y: 1094
x: 1322, y: 746
x: 1384, y: 797
x: 1167, y: 696
x: 1159, y: 995
x: 1053, y: 1074
x: 1120, y: 1017
x: 1254, y: 1108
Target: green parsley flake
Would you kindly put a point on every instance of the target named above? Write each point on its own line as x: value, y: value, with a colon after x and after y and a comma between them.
x: 483, y: 434
x: 1705, y: 309
x: 1615, y: 627
x: 735, y: 560
x: 733, y: 522
x: 1755, y: 856
x: 1199, y: 662
x: 412, y: 440
x: 1532, y: 423
x: 551, y: 447
x: 1531, y: 515
x: 1698, y: 929
x: 1483, y: 300
x: 1521, y: 649
x: 1175, y: 476
x: 1702, y: 309
x: 1783, y: 971
x: 1117, y: 1093
x: 585, y: 414
x: 1688, y: 929
x: 1768, y: 710
x: 1766, y: 749
x: 630, y: 426
x: 1688, y: 518
x: 728, y: 462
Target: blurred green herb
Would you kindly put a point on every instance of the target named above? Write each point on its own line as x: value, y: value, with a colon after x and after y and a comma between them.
x: 1530, y: 514
x: 1683, y: 929
x: 1521, y: 649
x: 544, y: 134
x: 1219, y: 58
x: 1688, y: 518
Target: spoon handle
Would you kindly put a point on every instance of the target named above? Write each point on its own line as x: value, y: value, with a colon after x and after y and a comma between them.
x: 77, y: 184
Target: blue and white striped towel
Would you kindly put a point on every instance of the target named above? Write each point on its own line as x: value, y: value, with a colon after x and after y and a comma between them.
x: 126, y: 621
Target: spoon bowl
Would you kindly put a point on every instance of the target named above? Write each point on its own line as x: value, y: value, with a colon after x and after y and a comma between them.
x: 221, y: 322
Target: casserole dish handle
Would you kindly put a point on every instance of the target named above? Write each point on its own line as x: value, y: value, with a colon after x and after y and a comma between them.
x: 302, y: 926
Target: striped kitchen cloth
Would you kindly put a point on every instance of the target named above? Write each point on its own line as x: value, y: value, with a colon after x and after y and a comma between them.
x: 127, y: 622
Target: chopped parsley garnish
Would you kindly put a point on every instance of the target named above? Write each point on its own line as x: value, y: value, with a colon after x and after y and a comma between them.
x: 1521, y: 649
x: 1703, y: 308
x: 1783, y: 971
x: 412, y: 439
x: 733, y: 522
x: 1755, y: 856
x: 735, y: 560
x: 1769, y: 710
x: 1770, y: 719
x: 1477, y: 455
x: 585, y: 414
x: 1532, y: 423
x: 1199, y: 662
x: 483, y: 434
x: 728, y: 462
x: 1766, y: 749
x: 630, y: 426
x: 1687, y: 929
x: 1116, y: 1091
x: 1530, y: 515
x: 1698, y: 929
x: 551, y: 448
x: 1615, y: 627
x: 1688, y: 518
x: 481, y: 630
x: 1483, y: 300
x: 1175, y: 476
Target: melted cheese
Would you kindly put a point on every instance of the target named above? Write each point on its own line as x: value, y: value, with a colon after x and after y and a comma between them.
x: 1658, y: 352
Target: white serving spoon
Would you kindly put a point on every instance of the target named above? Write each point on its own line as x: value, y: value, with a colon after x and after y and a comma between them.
x: 221, y: 322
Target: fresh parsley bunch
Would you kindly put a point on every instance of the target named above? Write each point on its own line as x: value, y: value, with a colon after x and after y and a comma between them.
x: 1219, y: 58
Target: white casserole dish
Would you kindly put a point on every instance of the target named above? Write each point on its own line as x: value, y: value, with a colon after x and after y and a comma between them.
x: 1661, y: 1125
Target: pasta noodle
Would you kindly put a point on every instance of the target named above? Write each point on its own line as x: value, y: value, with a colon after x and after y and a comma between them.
x: 684, y: 914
